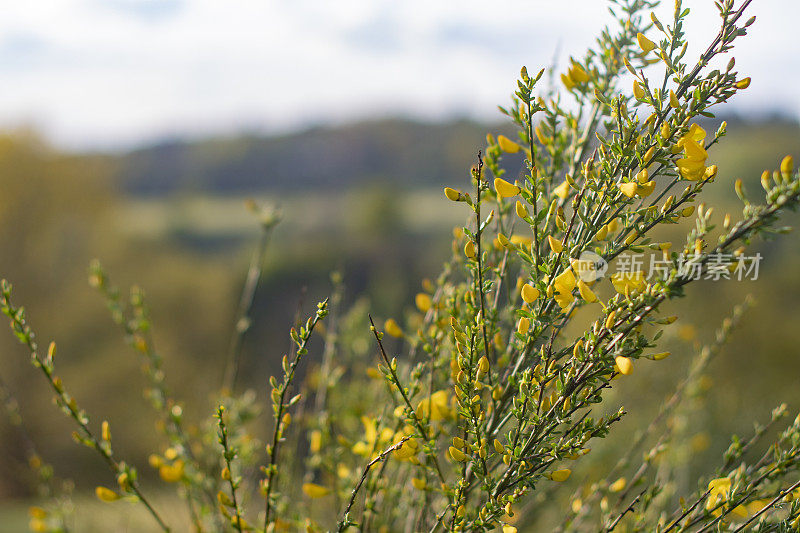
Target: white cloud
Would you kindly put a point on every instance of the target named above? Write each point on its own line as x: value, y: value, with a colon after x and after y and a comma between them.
x: 105, y: 73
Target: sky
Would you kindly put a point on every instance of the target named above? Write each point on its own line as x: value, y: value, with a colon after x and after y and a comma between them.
x: 113, y: 74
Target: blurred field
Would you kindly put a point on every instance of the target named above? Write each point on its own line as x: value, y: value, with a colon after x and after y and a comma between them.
x: 189, y: 248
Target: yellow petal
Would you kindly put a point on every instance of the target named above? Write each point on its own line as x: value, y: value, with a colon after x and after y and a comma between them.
x: 469, y: 249
x: 696, y: 133
x: 568, y: 83
x: 644, y: 43
x: 561, y: 475
x: 419, y: 484
x: 562, y: 191
x: 509, y: 529
x: 172, y: 473
x: 521, y: 211
x: 563, y: 299
x: 457, y: 454
x: 628, y: 189
x: 392, y: 328
x: 787, y: 165
x: 312, y: 490
x: 505, y: 189
x: 37, y: 512
x: 452, y: 194
x: 673, y: 100
x: 578, y: 74
x: 586, y: 292
x: 619, y: 485
x: 694, y: 151
x: 720, y: 484
x: 555, y: 245
x: 529, y: 293
x: 106, y: 495
x: 565, y: 281
x: 523, y: 326
x: 624, y: 365
x: 638, y: 91
x: 743, y: 83
x: 423, y: 302
x: 507, y: 145
x: 646, y: 189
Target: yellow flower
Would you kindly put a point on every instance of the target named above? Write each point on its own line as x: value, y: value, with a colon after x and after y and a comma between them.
x: 644, y: 43
x: 520, y: 240
x: 37, y: 524
x: 423, y: 302
x: 693, y: 150
x: 521, y: 211
x: 368, y: 445
x: 629, y: 189
x: 509, y: 529
x: 555, y: 245
x: 172, y: 473
x: 224, y: 499
x: 619, y: 485
x: 469, y: 249
x: 719, y: 489
x: 624, y: 365
x: 315, y: 441
x: 507, y: 145
x: 392, y: 328
x: 568, y: 83
x: 312, y: 490
x: 452, y: 194
x: 627, y: 282
x: 523, y: 326
x: 577, y: 74
x: 457, y: 454
x: 106, y: 495
x: 565, y: 282
x: 638, y: 91
x: 586, y: 292
x: 646, y: 189
x: 563, y: 299
x: 419, y: 484
x: 562, y: 191
x: 529, y: 293
x: 561, y: 475
x: 743, y: 83
x: 37, y: 512
x: 437, y: 406
x: 505, y: 189
x: 673, y: 100
x: 407, y: 450
x: 787, y: 165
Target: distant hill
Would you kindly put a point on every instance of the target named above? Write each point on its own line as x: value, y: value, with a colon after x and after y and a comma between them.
x: 405, y: 153
x: 408, y: 154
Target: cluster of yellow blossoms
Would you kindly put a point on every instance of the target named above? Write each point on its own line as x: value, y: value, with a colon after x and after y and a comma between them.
x: 692, y: 166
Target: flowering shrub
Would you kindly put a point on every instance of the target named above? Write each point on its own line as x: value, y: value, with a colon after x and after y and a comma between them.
x: 495, y: 393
